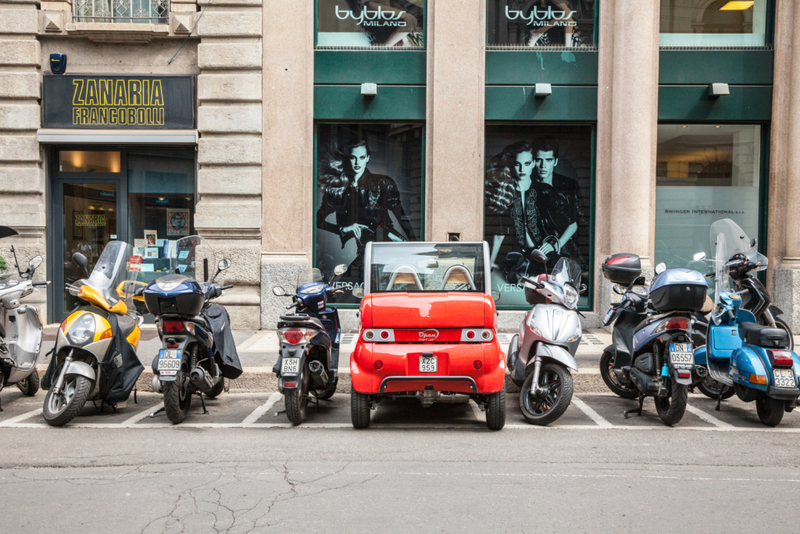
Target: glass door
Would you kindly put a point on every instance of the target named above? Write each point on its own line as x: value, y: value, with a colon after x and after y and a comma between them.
x: 89, y: 212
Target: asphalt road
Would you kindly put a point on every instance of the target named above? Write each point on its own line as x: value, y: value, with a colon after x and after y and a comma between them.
x: 242, y: 468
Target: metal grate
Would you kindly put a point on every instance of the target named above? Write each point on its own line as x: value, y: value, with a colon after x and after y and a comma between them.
x: 153, y: 11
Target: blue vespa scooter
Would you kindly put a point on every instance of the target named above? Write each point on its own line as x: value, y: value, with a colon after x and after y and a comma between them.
x: 753, y: 359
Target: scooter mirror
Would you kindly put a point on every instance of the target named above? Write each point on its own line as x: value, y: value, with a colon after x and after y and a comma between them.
x: 661, y: 267
x: 81, y: 261
x: 495, y: 295
x: 753, y: 243
x: 223, y: 264
x: 358, y: 292
x: 340, y: 269
x: 278, y: 291
x: 618, y: 290
x: 700, y: 256
x: 583, y: 289
x: 35, y: 262
x: 539, y: 256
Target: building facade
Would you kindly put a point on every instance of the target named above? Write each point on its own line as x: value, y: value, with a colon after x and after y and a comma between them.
x: 291, y: 133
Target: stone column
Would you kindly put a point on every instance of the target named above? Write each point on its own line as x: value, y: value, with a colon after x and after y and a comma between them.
x: 456, y: 44
x: 784, y: 174
x: 229, y: 152
x: 288, y: 153
x: 22, y: 185
x: 627, y: 120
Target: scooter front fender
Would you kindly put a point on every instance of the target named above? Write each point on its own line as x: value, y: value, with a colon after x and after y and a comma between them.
x: 80, y: 369
x: 555, y: 353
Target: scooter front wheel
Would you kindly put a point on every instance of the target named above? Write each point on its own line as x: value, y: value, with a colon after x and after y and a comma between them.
x: 60, y: 409
x: 618, y: 388
x: 770, y: 411
x: 552, y: 400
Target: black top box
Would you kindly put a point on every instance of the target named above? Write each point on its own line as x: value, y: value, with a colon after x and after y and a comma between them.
x: 622, y: 269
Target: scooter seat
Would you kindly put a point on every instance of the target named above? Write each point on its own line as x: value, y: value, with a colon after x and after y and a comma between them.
x: 764, y: 336
x: 299, y: 319
x: 126, y: 324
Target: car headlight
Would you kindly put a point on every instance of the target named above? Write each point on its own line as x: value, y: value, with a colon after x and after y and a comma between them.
x: 82, y: 331
x: 570, y: 296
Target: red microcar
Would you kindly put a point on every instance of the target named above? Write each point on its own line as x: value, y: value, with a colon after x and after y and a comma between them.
x: 427, y: 329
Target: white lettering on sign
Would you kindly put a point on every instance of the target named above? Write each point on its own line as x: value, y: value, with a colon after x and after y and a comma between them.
x: 543, y: 17
x: 367, y: 17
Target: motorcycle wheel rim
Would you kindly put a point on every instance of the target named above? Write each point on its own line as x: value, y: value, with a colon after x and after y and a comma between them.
x: 541, y: 405
x: 58, y: 403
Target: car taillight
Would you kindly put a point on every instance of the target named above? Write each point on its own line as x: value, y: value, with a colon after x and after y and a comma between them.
x: 780, y: 358
x: 676, y: 323
x: 477, y: 364
x: 378, y: 334
x: 473, y: 335
x: 173, y: 327
x: 378, y: 365
x: 293, y: 336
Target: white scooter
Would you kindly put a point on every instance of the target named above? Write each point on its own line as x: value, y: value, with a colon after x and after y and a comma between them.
x: 20, y: 326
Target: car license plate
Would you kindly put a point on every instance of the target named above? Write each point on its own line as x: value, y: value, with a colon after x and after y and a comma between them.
x: 290, y: 366
x: 427, y: 364
x: 784, y: 378
x: 681, y: 353
x: 169, y: 361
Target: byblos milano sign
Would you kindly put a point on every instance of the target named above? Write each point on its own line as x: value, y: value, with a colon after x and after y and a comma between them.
x: 101, y: 101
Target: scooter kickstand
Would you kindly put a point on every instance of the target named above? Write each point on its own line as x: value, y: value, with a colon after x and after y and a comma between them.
x: 637, y: 410
x: 719, y: 398
x: 203, y: 403
x: 155, y: 413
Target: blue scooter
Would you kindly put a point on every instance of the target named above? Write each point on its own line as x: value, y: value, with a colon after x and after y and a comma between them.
x: 753, y: 359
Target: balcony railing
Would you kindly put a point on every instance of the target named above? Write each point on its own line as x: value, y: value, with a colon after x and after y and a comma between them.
x: 143, y: 11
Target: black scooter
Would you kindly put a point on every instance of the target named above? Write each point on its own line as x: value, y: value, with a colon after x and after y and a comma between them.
x: 308, y: 364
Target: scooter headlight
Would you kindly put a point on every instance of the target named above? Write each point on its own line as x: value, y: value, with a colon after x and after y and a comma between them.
x: 570, y: 296
x: 82, y: 330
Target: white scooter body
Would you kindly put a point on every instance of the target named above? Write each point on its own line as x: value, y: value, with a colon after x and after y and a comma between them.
x: 19, y: 348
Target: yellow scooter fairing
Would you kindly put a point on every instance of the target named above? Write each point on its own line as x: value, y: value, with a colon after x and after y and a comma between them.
x: 91, y: 296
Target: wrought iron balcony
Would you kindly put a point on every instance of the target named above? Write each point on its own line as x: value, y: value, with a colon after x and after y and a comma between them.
x: 147, y: 11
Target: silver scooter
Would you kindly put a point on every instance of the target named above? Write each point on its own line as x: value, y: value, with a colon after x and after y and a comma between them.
x: 20, y: 326
x: 541, y: 356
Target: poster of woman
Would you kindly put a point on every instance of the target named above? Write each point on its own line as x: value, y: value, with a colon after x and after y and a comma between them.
x: 368, y: 23
x: 541, y: 23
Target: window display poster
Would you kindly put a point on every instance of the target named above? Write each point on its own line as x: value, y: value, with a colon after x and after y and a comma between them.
x: 177, y: 221
x: 541, y: 23
x: 368, y: 23
x: 369, y: 187
x: 537, y: 195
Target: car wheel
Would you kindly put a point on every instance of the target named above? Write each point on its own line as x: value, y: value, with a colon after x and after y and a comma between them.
x: 359, y: 409
x: 496, y: 410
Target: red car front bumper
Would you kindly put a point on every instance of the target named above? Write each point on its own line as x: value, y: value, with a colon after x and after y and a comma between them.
x: 471, y: 368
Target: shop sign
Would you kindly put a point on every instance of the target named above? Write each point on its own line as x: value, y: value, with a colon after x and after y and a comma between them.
x: 118, y: 102
x: 364, y: 23
x: 541, y: 23
x: 87, y: 219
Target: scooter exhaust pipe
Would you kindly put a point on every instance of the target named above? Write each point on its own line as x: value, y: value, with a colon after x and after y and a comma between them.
x: 319, y: 377
x: 200, y: 380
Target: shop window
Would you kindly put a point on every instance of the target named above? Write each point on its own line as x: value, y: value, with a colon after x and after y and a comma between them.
x: 370, y: 23
x: 369, y: 187
x: 161, y: 188
x: 88, y: 161
x: 541, y: 23
x: 704, y: 173
x: 537, y: 195
x: 713, y: 23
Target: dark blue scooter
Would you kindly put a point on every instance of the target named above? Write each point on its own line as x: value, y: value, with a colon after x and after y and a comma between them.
x: 755, y: 360
x: 308, y: 363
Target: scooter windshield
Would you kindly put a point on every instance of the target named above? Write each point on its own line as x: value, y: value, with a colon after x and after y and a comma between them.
x: 194, y: 257
x: 564, y: 282
x: 729, y: 240
x: 309, y: 276
x: 111, y: 270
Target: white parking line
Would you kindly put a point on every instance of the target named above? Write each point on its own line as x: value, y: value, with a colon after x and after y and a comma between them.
x: 593, y: 415
x: 479, y: 415
x: 139, y: 416
x: 708, y: 418
x: 261, y: 410
x: 10, y: 421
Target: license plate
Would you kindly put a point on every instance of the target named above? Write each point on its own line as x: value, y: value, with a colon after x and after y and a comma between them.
x: 427, y: 364
x: 784, y: 378
x: 290, y: 366
x: 681, y: 353
x: 169, y: 360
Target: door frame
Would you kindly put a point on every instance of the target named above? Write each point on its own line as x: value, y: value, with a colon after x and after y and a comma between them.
x: 119, y: 179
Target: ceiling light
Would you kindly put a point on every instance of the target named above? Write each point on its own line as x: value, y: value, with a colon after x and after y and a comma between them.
x: 737, y: 5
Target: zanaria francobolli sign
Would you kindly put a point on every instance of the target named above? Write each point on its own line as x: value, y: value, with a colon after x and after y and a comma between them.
x: 119, y: 102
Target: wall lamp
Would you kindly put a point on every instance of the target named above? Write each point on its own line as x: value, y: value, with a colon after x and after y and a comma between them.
x: 716, y: 90
x: 542, y: 90
x: 369, y: 89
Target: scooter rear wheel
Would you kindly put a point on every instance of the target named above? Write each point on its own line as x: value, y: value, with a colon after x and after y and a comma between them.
x: 30, y: 385
x: 770, y: 411
x: 297, y: 399
x: 671, y: 409
x: 607, y: 372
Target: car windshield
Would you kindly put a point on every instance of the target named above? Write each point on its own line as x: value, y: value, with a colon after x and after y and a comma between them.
x: 566, y: 271
x: 423, y: 267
